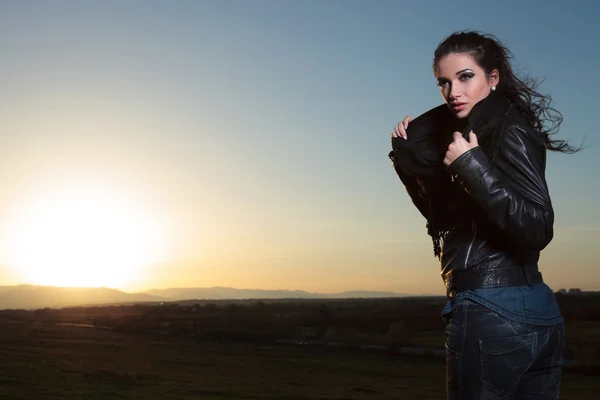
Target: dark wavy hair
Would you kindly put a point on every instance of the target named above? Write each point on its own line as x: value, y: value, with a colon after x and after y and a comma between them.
x: 490, y: 54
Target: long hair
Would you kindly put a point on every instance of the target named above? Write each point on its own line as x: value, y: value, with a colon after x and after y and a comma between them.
x: 490, y: 54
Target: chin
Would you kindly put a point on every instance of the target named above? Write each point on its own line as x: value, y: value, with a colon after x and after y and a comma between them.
x: 462, y: 114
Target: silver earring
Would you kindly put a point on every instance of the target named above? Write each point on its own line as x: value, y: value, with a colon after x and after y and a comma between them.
x: 493, y: 88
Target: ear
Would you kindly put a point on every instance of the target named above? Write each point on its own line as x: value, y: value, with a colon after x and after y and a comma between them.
x: 494, y: 77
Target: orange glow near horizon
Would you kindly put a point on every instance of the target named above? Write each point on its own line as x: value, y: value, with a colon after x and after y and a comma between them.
x: 84, y: 237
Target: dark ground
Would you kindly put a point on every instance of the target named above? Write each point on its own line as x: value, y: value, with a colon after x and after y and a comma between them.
x: 40, y: 359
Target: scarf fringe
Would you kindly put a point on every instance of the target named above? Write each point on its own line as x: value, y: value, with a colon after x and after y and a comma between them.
x: 437, y: 236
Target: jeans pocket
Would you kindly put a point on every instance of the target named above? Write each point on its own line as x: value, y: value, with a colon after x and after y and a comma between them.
x: 561, y: 343
x: 503, y: 361
x: 557, y: 348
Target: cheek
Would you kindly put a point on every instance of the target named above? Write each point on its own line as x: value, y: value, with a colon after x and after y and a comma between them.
x: 485, y: 92
x: 481, y: 90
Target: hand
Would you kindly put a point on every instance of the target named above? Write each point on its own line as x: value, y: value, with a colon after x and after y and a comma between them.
x: 400, y: 129
x: 459, y: 146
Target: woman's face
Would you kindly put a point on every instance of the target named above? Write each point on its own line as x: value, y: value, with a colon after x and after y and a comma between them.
x: 463, y: 82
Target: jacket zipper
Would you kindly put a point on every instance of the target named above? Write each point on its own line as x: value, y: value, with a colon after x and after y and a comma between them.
x: 474, y: 230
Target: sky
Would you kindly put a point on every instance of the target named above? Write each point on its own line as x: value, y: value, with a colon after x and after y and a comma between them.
x: 155, y: 144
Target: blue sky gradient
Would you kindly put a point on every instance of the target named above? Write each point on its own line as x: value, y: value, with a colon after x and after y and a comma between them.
x: 259, y: 130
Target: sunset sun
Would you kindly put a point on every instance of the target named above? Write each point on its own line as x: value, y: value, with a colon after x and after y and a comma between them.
x: 83, y: 238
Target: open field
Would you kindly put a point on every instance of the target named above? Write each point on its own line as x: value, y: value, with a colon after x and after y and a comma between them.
x: 47, y: 361
x: 42, y: 359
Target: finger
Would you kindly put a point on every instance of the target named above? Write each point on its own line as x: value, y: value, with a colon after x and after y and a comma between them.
x: 446, y: 160
x: 457, y: 136
x: 401, y: 129
x: 406, y: 121
x: 473, y: 138
x: 396, y: 133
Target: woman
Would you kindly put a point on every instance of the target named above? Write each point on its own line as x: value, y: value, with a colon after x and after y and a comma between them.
x: 475, y: 168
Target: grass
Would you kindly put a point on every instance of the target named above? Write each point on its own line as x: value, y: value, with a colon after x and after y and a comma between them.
x: 48, y: 361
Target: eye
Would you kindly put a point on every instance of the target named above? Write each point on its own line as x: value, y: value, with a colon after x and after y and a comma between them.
x: 442, y: 83
x: 465, y: 77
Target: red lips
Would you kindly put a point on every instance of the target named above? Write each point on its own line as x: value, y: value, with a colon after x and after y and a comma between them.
x: 458, y: 106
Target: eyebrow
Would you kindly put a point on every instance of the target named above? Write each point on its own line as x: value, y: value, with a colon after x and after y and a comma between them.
x: 464, y: 70
x: 458, y: 73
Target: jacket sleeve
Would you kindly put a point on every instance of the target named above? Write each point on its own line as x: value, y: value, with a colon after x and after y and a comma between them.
x: 513, y: 193
x: 412, y: 186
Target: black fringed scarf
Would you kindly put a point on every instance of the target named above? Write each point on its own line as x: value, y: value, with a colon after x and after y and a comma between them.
x: 421, y: 155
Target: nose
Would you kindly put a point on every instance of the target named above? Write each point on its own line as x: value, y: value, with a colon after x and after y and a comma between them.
x: 454, y: 93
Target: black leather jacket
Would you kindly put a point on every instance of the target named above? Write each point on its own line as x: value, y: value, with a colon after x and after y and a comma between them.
x: 499, y: 207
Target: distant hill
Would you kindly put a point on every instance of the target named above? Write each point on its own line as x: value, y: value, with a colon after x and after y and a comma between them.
x: 227, y: 293
x: 32, y: 297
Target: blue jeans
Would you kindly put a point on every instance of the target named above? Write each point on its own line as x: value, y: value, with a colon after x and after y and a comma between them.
x: 490, y: 357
